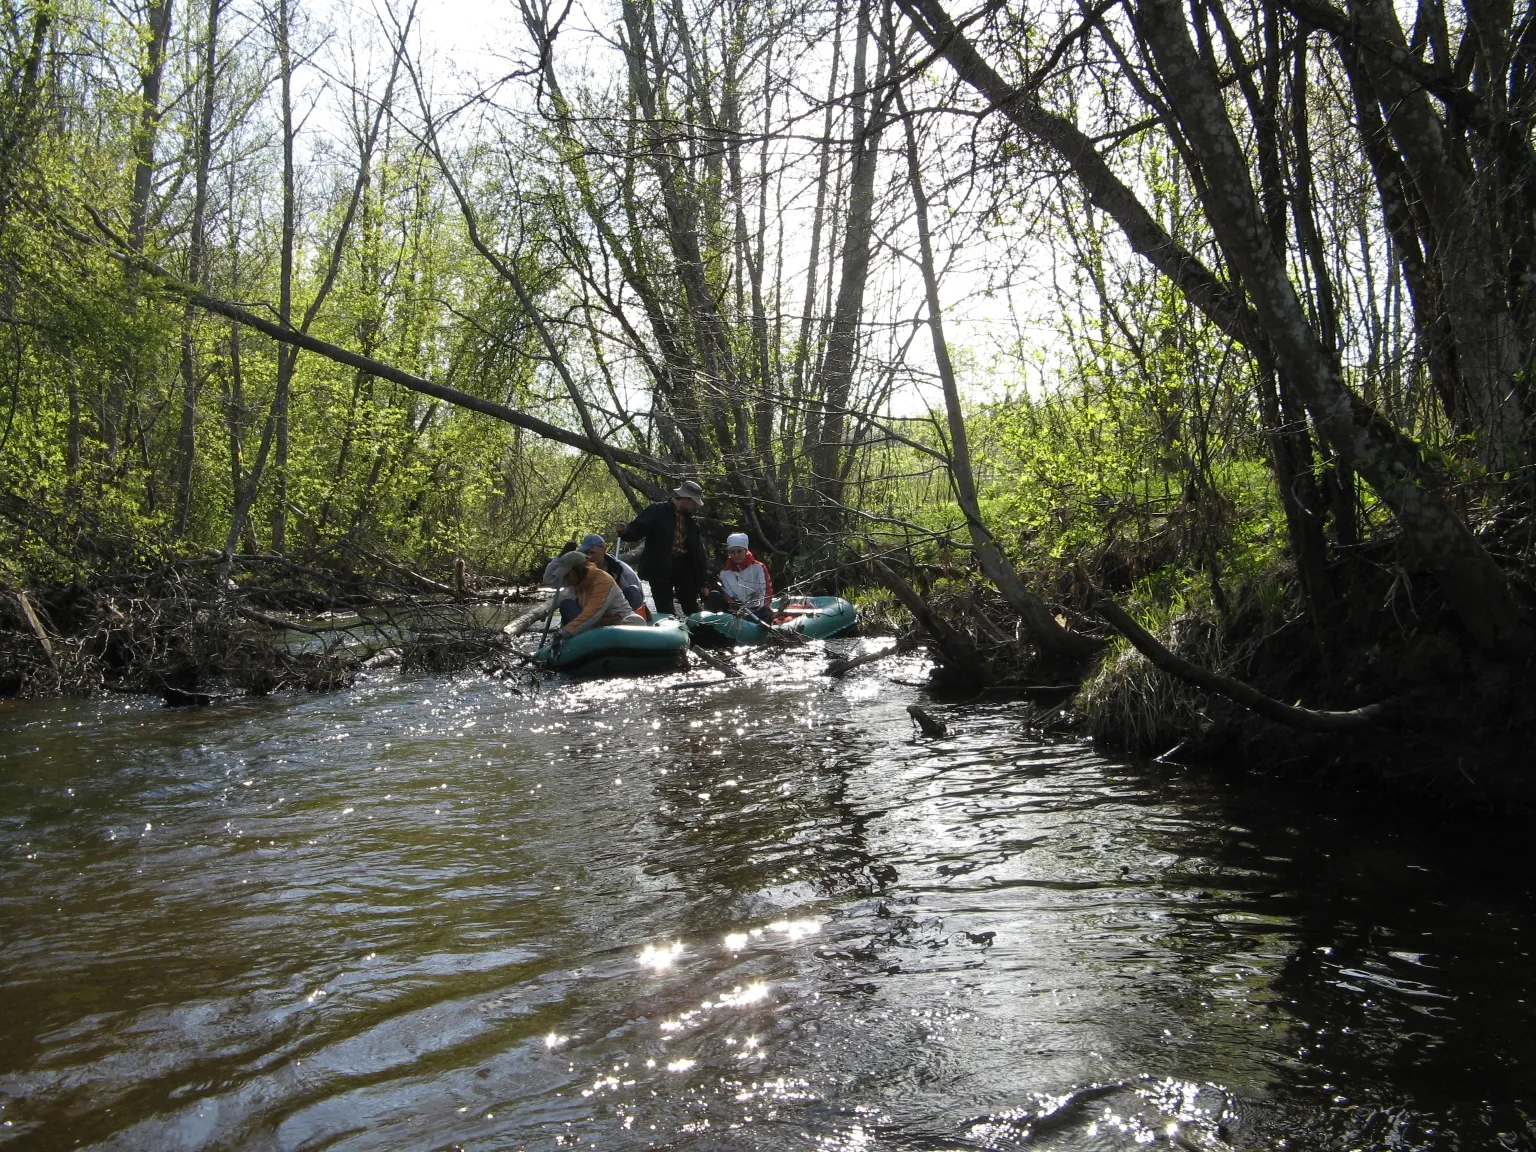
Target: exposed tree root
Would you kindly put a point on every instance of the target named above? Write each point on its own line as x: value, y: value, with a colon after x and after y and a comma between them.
x: 1291, y: 715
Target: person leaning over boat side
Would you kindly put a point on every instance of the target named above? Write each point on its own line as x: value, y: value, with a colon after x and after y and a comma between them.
x: 745, y: 583
x: 595, y: 548
x: 599, y: 599
x: 673, y: 560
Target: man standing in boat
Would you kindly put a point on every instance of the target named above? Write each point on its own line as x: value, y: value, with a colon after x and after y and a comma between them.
x: 745, y: 584
x: 674, y: 560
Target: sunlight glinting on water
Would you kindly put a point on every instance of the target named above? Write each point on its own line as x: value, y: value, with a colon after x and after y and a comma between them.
x: 765, y: 916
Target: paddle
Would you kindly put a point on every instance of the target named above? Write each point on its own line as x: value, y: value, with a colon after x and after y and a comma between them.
x: 554, y: 602
x: 772, y: 634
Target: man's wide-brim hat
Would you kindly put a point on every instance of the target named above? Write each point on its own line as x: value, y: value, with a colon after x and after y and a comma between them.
x: 690, y: 491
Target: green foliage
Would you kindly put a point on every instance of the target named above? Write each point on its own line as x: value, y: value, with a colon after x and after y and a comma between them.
x: 91, y: 377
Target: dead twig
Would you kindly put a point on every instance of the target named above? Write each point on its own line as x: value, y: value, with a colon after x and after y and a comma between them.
x: 30, y: 616
x: 843, y: 665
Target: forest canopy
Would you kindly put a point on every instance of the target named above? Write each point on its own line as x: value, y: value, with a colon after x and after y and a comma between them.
x: 1193, y: 301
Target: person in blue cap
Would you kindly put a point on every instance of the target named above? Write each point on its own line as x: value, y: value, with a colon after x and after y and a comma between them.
x: 595, y: 548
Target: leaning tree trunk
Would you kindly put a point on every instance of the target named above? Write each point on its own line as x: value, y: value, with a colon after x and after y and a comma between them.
x: 1037, y: 617
x: 1276, y: 329
x: 1473, y: 583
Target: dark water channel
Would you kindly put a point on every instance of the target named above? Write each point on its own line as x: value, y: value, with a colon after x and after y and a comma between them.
x: 431, y: 913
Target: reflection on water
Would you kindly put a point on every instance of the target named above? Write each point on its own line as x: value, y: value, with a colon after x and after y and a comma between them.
x: 434, y: 913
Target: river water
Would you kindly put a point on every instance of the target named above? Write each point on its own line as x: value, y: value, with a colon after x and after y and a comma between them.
x: 433, y: 913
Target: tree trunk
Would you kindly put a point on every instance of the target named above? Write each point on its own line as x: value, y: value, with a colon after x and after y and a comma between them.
x: 840, y: 360
x: 146, y: 134
x: 1039, y: 619
x: 1487, y: 343
x: 197, y: 267
x: 287, y: 355
x: 1474, y: 585
x: 796, y: 414
x: 22, y: 124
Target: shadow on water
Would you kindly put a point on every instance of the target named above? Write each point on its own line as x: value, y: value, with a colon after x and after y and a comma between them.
x: 431, y: 913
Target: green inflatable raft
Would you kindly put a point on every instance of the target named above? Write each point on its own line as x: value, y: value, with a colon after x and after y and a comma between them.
x: 814, y: 617
x: 620, y: 649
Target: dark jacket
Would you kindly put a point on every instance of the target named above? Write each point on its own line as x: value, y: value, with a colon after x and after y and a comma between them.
x: 656, y: 526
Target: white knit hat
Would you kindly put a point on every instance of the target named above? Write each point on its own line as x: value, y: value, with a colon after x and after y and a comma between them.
x: 736, y: 540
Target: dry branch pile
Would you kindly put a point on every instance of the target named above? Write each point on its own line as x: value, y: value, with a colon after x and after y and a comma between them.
x: 200, y: 628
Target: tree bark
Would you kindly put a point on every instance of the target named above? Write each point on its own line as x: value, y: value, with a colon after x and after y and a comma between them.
x: 145, y: 136
x: 1039, y: 619
x: 287, y: 354
x: 1488, y: 353
x: 1473, y: 583
x: 840, y: 360
x: 961, y: 657
x: 186, y: 441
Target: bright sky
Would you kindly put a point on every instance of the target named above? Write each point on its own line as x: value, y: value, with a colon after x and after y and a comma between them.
x: 467, y: 44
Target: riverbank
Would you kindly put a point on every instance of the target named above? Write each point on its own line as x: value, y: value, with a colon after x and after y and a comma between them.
x: 1392, y: 700
x: 204, y: 628
x: 1452, y: 729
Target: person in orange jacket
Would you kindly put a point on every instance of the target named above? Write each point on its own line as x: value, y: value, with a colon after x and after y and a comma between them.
x: 599, y: 599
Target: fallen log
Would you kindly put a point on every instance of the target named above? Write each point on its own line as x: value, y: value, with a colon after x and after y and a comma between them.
x: 528, y: 619
x: 385, y: 371
x: 718, y: 663
x: 288, y: 625
x: 1292, y: 715
x: 960, y: 655
x: 417, y: 578
x: 843, y: 665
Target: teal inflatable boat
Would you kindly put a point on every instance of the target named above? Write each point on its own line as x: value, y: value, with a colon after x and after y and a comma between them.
x: 814, y: 617
x: 620, y: 649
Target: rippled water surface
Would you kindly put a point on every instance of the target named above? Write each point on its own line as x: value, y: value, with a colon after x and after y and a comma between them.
x: 440, y: 913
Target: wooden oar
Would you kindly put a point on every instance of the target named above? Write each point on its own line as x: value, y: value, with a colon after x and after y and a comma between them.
x: 775, y: 635
x: 554, y: 602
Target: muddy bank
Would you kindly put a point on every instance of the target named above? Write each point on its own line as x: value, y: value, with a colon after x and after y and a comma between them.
x: 1392, y: 698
